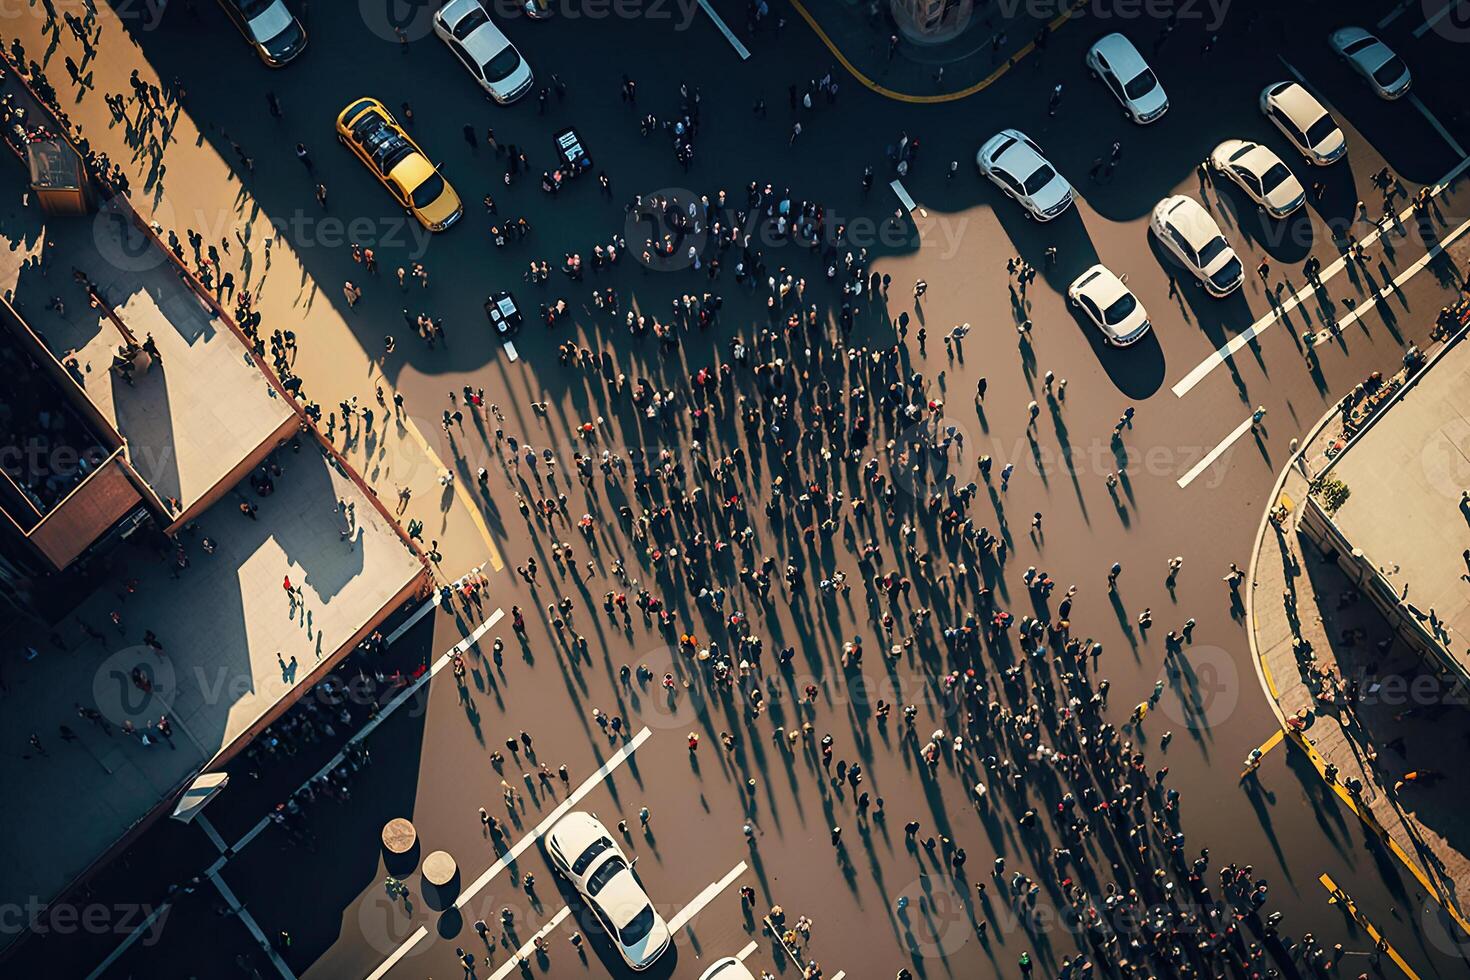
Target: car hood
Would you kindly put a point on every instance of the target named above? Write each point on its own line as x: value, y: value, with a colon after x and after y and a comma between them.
x: 1055, y: 192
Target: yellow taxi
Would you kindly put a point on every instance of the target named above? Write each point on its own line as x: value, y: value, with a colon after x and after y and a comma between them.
x: 368, y: 129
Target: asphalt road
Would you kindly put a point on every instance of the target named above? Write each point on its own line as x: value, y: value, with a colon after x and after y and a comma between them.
x: 432, y: 764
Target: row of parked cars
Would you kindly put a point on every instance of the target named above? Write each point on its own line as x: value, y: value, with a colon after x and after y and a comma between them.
x: 1017, y: 165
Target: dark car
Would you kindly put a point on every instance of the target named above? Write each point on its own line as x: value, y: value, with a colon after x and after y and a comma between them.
x: 270, y: 27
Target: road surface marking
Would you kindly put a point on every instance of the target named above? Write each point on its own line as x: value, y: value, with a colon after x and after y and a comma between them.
x: 1404, y: 276
x: 1434, y: 18
x: 1393, y: 14
x: 526, y: 951
x: 1201, y: 371
x: 398, y: 954
x: 428, y: 606
x: 725, y: 30
x: 127, y: 943
x: 1338, y: 896
x: 750, y: 947
x: 373, y: 723
x: 1215, y: 453
x: 254, y: 927
x: 202, y: 822
x: 460, y: 493
x: 1444, y: 134
x: 592, y: 782
x: 711, y: 892
x: 903, y: 195
x: 839, y: 975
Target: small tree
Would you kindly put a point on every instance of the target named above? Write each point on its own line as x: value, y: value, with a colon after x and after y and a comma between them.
x: 1332, y: 492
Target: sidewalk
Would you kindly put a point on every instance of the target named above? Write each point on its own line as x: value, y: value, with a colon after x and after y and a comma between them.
x: 204, y: 194
x: 1403, y: 719
x: 992, y: 44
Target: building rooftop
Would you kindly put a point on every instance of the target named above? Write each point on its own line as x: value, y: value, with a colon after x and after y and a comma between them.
x: 1406, y: 475
x: 189, y: 422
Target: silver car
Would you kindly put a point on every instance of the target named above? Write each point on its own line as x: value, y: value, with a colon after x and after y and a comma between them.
x: 486, y: 53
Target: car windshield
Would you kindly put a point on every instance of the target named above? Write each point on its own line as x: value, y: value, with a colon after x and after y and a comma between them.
x: 502, y: 64
x: 1121, y: 309
x: 428, y: 192
x: 1142, y: 84
x: 1211, y: 251
x: 1320, y: 130
x: 1228, y: 275
x: 1359, y: 45
x: 469, y: 22
x: 1390, y: 71
x: 604, y: 874
x: 1274, y: 177
x: 593, y: 849
x: 1039, y: 178
x: 640, y: 926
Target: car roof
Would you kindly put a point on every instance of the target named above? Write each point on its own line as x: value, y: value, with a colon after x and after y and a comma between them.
x: 1254, y: 157
x: 1121, y: 54
x: 1102, y: 285
x: 574, y: 831
x: 1191, y: 220
x: 1017, y: 157
x: 622, y: 898
x: 1299, y: 104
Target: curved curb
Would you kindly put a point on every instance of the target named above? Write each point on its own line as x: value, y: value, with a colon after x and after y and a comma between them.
x: 963, y: 93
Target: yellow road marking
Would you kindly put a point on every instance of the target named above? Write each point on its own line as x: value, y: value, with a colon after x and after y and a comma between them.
x: 1264, y: 748
x: 1341, y: 897
x: 964, y: 93
x: 460, y: 494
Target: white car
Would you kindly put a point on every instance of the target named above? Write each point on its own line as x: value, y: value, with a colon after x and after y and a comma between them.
x: 485, y: 52
x: 1117, y: 62
x: 1301, y: 119
x: 584, y: 852
x: 728, y: 968
x: 1186, y: 229
x: 1016, y: 165
x: 1261, y: 174
x: 1110, y: 305
x: 1372, y: 59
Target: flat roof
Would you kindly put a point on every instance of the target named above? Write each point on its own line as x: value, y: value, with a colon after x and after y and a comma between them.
x: 188, y: 422
x: 221, y: 622
x: 1405, y: 475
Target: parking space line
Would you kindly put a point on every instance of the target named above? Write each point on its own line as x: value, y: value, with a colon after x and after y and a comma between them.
x: 1404, y: 276
x: 1214, y: 454
x: 202, y: 822
x: 250, y: 923
x: 373, y: 724
x: 1444, y: 134
x: 750, y: 947
x: 398, y: 954
x: 724, y: 28
x: 127, y: 943
x: 711, y: 892
x: 1393, y: 14
x: 524, y: 953
x: 592, y: 782
x: 428, y: 606
x: 1435, y: 18
x: 1227, y: 350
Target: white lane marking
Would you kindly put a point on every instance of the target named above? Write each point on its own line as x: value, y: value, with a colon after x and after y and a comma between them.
x: 127, y: 943
x: 398, y: 954
x: 591, y: 783
x: 1299, y: 76
x: 681, y: 919
x: 252, y: 925
x: 1202, y: 370
x: 903, y: 195
x: 839, y: 975
x: 1215, y: 454
x: 750, y: 947
x: 372, y: 725
x: 1404, y: 276
x: 1444, y: 134
x: 202, y: 822
x: 1435, y: 18
x: 1393, y: 14
x: 526, y: 951
x: 740, y: 49
x: 428, y: 606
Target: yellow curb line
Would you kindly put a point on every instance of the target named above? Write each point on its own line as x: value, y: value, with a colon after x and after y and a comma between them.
x: 965, y: 93
x: 1371, y: 822
x: 460, y: 494
x: 1342, y: 897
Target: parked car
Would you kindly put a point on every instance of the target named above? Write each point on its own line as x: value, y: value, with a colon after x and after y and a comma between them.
x: 1016, y: 165
x: 1110, y: 305
x: 1383, y: 70
x: 1117, y: 62
x: 1186, y: 229
x: 1303, y: 121
x: 270, y: 27
x: 1261, y: 174
x: 486, y: 53
x: 368, y: 129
